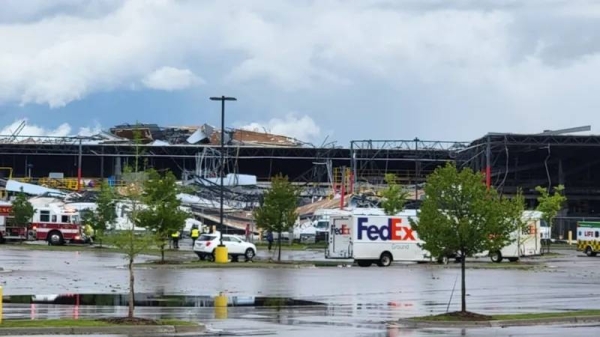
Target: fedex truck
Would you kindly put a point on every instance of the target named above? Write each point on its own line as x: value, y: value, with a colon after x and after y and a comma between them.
x: 525, y: 241
x: 369, y: 239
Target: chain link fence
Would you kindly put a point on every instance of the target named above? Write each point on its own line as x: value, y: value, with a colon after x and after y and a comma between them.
x: 562, y: 226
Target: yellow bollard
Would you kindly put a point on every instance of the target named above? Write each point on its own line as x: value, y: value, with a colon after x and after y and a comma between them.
x: 221, y: 306
x: 1, y: 308
x: 221, y: 254
x: 570, y: 237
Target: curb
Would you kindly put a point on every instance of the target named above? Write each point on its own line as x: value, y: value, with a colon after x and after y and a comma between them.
x: 499, y: 323
x: 130, y: 330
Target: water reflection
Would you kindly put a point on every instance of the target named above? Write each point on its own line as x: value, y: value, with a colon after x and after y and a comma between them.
x: 159, y: 300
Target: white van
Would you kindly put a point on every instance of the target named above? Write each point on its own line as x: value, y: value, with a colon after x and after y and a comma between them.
x: 377, y: 239
x: 525, y: 242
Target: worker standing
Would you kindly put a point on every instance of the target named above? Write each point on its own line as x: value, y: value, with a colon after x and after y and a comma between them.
x: 195, y: 234
x: 175, y: 238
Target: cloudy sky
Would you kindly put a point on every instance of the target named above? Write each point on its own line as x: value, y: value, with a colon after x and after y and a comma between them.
x: 365, y: 69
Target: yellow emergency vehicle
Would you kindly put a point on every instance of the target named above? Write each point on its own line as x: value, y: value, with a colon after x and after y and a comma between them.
x: 588, y: 237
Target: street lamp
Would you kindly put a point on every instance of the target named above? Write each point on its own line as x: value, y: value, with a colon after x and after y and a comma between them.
x: 221, y: 250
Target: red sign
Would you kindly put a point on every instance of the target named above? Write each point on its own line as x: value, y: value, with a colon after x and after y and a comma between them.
x: 5, y: 210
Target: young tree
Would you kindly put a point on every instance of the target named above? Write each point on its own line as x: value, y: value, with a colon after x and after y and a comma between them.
x: 549, y: 205
x: 394, y: 197
x: 163, y: 215
x: 278, y: 213
x: 105, y: 212
x: 131, y: 243
x: 22, y: 210
x: 460, y: 215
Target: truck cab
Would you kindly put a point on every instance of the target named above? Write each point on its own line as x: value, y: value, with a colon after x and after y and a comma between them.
x: 57, y: 224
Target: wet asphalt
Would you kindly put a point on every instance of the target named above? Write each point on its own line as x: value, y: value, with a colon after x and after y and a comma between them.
x: 356, y: 301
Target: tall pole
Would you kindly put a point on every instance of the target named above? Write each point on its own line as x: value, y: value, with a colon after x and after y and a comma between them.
x: 222, y: 99
x: 488, y: 164
x: 417, y: 169
x: 79, y: 168
x: 222, y: 167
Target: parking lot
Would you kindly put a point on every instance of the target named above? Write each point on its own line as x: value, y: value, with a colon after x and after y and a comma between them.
x: 353, y: 297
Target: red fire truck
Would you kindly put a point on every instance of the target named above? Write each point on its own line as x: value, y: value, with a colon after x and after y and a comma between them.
x: 7, y: 230
x: 52, y: 222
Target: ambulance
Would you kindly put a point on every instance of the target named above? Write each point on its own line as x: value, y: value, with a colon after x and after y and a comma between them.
x: 588, y: 237
x: 526, y: 241
x: 379, y: 239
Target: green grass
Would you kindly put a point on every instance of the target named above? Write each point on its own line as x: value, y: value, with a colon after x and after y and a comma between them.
x: 234, y: 265
x: 493, y: 265
x: 526, y: 316
x: 72, y: 323
x: 547, y: 315
x: 88, y: 248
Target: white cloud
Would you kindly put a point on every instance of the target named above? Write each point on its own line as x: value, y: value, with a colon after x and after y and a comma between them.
x: 170, y: 79
x: 63, y: 130
x: 452, y: 68
x: 303, y: 128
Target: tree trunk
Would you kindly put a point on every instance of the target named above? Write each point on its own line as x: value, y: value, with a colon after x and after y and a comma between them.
x: 463, y: 286
x: 162, y: 252
x: 279, y: 245
x: 131, y: 290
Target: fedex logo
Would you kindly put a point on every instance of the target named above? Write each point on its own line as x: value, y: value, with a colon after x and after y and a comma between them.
x: 393, y: 231
x: 343, y: 230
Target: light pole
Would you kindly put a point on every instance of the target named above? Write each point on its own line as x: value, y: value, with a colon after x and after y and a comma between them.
x: 79, y: 167
x: 221, y: 250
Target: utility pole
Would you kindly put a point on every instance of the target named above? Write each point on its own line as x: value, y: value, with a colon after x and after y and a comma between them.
x: 79, y: 167
x: 221, y: 250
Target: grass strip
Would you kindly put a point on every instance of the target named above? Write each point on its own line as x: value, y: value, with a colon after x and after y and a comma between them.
x: 88, y: 248
x: 72, y: 323
x: 455, y: 317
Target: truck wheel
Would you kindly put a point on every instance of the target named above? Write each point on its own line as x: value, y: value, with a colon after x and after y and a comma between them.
x: 362, y: 263
x: 55, y: 238
x: 589, y: 251
x: 385, y: 260
x: 496, y: 257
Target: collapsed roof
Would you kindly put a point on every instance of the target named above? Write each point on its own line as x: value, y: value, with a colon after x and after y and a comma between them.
x: 153, y: 134
x: 204, y: 134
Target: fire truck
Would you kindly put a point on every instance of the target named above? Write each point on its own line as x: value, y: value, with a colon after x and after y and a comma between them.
x: 52, y: 222
x: 7, y: 230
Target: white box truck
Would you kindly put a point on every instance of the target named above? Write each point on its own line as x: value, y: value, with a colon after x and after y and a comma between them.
x: 369, y: 239
x: 526, y: 241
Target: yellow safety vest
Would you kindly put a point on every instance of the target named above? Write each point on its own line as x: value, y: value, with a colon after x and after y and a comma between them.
x: 195, y: 233
x: 175, y: 235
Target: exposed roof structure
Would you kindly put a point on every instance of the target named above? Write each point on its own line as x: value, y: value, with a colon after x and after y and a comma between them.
x: 153, y: 134
x: 204, y: 134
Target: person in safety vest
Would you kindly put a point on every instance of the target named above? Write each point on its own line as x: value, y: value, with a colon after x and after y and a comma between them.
x: 175, y: 239
x: 195, y: 234
x: 89, y: 233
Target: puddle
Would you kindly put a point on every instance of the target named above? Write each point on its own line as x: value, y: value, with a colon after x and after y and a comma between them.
x: 154, y: 300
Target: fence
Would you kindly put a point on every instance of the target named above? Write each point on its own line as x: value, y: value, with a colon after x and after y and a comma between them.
x: 562, y: 226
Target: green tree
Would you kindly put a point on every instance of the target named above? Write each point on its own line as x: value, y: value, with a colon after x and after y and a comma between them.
x: 131, y: 243
x: 394, y: 197
x: 278, y: 213
x: 22, y: 210
x: 549, y: 205
x: 460, y: 215
x: 163, y: 215
x: 105, y: 212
